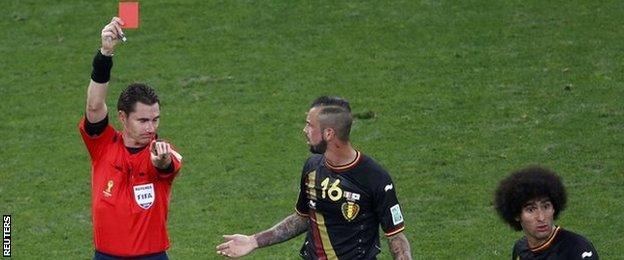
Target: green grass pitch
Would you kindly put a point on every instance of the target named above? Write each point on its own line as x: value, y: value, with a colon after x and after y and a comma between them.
x: 462, y: 92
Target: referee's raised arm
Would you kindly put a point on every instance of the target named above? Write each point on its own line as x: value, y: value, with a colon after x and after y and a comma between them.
x: 96, y: 109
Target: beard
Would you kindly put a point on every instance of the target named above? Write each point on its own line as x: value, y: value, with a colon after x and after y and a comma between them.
x: 319, y: 148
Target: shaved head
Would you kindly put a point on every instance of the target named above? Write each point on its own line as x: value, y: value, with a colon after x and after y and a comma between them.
x: 337, y: 118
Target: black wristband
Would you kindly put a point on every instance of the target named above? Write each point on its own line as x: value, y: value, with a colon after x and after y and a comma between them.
x: 102, y: 66
x: 169, y: 168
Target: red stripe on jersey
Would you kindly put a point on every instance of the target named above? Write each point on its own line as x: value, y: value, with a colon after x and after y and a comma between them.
x: 395, y: 231
x: 318, y: 244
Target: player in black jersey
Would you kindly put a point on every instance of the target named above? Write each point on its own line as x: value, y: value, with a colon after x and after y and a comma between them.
x: 344, y: 197
x: 530, y: 200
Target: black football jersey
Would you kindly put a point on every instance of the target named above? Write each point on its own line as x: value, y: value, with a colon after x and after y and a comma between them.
x: 345, y: 206
x: 561, y: 244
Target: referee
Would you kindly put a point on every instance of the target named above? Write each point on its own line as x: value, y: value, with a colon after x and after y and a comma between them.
x: 131, y: 170
x: 530, y: 200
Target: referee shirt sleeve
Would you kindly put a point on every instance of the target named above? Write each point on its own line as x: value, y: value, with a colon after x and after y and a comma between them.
x: 96, y: 144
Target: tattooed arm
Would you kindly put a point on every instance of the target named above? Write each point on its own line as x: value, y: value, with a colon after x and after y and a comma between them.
x: 288, y: 228
x: 239, y: 245
x: 399, y: 247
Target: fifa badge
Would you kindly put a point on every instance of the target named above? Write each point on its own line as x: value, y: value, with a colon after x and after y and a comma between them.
x: 109, y: 186
x: 144, y: 195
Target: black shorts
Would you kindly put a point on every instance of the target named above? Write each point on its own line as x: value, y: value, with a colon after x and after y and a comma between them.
x: 156, y: 256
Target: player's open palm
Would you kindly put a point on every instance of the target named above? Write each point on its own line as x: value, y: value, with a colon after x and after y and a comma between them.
x: 237, y: 245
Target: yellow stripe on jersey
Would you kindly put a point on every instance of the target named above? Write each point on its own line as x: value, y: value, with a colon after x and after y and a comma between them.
x: 327, y: 246
x: 311, y: 183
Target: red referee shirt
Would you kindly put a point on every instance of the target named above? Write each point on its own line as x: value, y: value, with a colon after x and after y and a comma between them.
x: 129, y: 197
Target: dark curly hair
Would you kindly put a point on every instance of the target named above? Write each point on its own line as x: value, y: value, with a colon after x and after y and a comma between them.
x: 527, y: 184
x: 136, y: 92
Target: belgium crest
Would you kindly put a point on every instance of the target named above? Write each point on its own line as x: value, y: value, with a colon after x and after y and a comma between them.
x: 350, y: 210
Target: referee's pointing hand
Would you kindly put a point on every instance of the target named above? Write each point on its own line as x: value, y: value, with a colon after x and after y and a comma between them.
x: 160, y: 153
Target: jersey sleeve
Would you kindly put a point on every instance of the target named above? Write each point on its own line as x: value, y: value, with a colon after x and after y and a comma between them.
x: 387, y: 206
x: 584, y: 249
x: 514, y: 252
x: 302, y: 207
x: 95, y: 144
x: 96, y: 128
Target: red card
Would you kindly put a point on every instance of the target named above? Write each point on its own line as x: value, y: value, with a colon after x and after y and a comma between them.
x: 129, y: 14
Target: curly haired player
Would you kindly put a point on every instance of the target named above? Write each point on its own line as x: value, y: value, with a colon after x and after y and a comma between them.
x: 530, y: 199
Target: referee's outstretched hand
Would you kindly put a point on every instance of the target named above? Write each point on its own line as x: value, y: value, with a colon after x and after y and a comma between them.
x: 237, y: 245
x: 160, y: 153
x: 111, y: 35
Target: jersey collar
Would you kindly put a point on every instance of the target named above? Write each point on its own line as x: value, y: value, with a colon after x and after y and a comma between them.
x: 345, y: 167
x: 548, y: 242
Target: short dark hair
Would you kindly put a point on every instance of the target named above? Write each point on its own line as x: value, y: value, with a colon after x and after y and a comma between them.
x: 521, y: 186
x: 136, y: 92
x: 337, y: 118
x: 331, y: 101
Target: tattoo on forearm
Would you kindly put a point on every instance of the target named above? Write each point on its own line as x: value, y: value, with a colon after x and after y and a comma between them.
x: 399, y: 246
x: 288, y: 228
